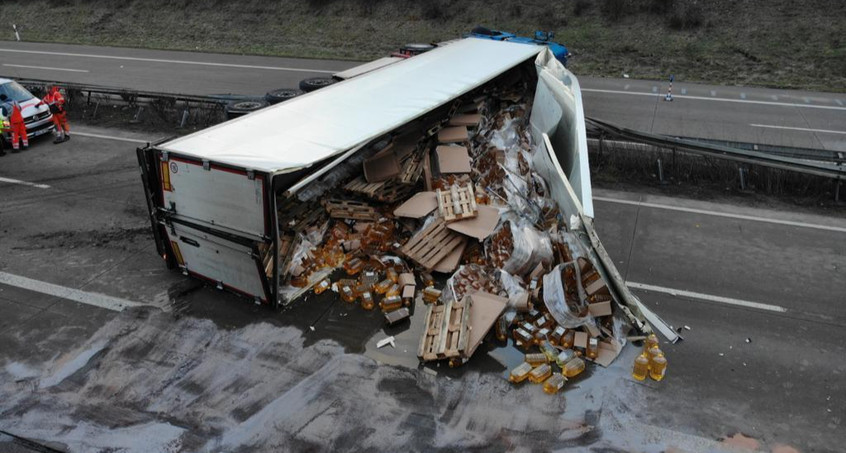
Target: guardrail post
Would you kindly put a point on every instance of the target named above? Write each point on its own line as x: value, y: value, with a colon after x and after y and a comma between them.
x: 837, y: 190
x: 661, y: 172
x: 742, y: 172
x: 184, y: 118
x: 137, y: 117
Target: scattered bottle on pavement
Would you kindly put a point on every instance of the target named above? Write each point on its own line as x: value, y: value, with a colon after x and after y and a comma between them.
x: 535, y: 359
x: 658, y: 368
x: 554, y: 383
x: 322, y: 286
x: 573, y: 367
x: 520, y: 373
x: 540, y: 373
x: 650, y: 342
x: 641, y: 367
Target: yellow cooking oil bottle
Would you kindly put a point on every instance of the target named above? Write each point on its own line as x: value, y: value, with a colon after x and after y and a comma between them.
x: 573, y: 367
x: 520, y: 373
x: 554, y: 383
x: 658, y: 367
x: 641, y: 366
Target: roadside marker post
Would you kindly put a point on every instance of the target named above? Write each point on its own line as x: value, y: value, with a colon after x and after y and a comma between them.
x: 669, y: 96
x: 17, y: 35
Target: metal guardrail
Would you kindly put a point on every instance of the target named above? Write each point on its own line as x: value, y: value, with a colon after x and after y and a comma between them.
x: 807, y: 165
x: 128, y: 95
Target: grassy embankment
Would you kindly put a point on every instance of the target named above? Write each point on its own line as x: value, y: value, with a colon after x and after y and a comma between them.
x: 777, y: 43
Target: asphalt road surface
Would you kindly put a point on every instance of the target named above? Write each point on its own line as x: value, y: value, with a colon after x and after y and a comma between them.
x: 101, y: 347
x: 738, y: 114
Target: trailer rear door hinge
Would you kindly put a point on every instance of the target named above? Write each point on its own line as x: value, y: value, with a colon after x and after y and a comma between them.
x: 165, y: 156
x: 206, y: 165
x: 251, y: 174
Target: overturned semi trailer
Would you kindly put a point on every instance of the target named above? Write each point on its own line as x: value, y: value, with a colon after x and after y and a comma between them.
x: 218, y: 198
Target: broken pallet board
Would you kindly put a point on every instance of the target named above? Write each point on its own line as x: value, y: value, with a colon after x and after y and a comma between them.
x: 360, y: 185
x: 457, y: 203
x: 446, y: 331
x: 432, y: 244
x: 412, y: 168
x: 350, y: 209
x: 385, y: 191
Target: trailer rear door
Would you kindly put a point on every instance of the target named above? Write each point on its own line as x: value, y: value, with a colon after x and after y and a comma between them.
x: 230, y: 265
x: 225, y: 198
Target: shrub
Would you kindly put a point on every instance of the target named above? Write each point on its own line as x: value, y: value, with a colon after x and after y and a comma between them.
x: 685, y: 16
x: 615, y: 9
x: 581, y: 6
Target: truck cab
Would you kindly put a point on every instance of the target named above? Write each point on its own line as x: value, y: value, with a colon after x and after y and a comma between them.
x: 543, y: 38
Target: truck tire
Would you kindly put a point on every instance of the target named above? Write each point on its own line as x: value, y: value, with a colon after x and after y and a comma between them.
x: 416, y: 49
x: 315, y: 83
x: 242, y: 107
x: 282, y: 95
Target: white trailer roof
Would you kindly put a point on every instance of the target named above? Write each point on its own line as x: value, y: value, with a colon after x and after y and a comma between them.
x: 334, y: 119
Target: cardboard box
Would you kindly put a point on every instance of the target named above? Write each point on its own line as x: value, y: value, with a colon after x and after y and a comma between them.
x: 466, y: 119
x: 450, y: 262
x: 596, y: 286
x: 457, y: 134
x: 419, y: 205
x: 479, y: 227
x: 593, y: 331
x: 453, y: 159
x: 381, y: 167
x: 408, y: 285
x: 608, y: 351
x: 600, y: 309
x: 485, y: 308
x: 396, y: 316
x: 580, y: 340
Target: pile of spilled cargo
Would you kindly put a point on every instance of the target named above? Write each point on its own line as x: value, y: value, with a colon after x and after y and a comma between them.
x: 456, y: 219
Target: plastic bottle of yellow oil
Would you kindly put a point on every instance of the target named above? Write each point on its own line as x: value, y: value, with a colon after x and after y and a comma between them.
x: 641, y: 367
x: 658, y: 368
x: 554, y: 383
x: 650, y: 342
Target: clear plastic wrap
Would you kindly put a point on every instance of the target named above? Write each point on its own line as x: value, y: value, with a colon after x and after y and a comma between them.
x: 555, y: 299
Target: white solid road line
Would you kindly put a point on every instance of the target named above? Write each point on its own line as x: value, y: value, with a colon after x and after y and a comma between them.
x: 24, y: 183
x: 797, y: 128
x: 707, y: 297
x: 44, y: 67
x: 94, y: 299
x: 110, y: 137
x: 702, y: 98
x: 723, y: 214
x: 160, y: 60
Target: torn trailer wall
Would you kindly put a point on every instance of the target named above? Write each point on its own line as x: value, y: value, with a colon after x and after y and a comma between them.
x: 283, y: 262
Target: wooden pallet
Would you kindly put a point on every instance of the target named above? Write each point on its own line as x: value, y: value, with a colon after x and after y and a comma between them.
x: 446, y: 333
x: 412, y: 168
x: 386, y: 191
x: 350, y: 209
x: 286, y: 253
x: 457, y: 203
x: 432, y: 244
x: 360, y: 185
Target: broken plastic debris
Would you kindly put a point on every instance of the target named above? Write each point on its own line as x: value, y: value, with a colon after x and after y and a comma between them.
x: 386, y: 341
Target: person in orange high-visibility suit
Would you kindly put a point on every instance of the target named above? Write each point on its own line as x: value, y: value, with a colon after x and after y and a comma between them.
x: 18, y: 128
x: 56, y: 102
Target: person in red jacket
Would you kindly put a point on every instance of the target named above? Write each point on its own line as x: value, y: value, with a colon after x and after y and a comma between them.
x: 56, y: 102
x: 18, y: 128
